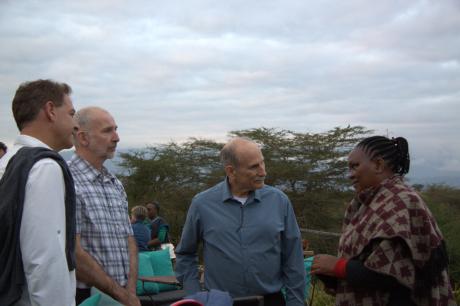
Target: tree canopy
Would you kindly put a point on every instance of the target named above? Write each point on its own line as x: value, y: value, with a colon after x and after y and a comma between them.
x: 311, y: 168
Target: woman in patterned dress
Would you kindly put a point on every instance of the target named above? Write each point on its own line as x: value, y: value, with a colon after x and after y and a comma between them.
x: 391, y: 251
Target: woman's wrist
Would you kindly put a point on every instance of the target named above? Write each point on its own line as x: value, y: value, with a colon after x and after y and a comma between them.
x: 340, y: 268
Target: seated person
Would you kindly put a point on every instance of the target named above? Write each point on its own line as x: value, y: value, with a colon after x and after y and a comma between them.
x: 159, y: 226
x: 141, y: 232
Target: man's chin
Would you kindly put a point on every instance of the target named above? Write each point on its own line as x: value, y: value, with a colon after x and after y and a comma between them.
x: 66, y: 146
x: 110, y: 155
x: 259, y: 185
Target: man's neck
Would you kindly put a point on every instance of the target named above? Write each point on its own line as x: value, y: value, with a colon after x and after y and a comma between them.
x: 91, y: 159
x: 239, y: 193
x: 236, y: 191
x: 41, y: 134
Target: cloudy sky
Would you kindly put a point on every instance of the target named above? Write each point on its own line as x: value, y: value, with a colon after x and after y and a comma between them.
x: 169, y: 70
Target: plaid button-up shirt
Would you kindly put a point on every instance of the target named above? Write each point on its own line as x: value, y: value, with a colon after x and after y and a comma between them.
x: 102, y: 218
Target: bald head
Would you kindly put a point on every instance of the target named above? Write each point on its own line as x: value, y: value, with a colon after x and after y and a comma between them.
x: 97, y: 136
x: 244, y: 166
x: 231, y: 152
x: 86, y: 116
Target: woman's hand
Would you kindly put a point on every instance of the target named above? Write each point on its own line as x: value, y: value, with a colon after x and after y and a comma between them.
x: 324, y: 264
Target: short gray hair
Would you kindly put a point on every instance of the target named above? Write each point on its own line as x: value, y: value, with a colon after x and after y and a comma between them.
x: 84, y: 117
x: 228, y: 154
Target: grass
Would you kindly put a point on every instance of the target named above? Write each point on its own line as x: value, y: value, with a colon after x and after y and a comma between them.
x: 321, y: 298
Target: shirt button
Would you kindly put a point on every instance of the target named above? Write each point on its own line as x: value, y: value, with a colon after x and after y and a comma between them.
x: 59, y: 231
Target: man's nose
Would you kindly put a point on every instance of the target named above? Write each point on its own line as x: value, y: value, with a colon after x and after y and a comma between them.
x: 262, y: 171
x: 116, y: 138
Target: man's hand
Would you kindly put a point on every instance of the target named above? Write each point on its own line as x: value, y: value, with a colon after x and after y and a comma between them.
x: 131, y: 288
x: 133, y: 300
x: 129, y: 299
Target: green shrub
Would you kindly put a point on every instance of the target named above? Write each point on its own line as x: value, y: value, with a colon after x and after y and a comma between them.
x: 319, y: 297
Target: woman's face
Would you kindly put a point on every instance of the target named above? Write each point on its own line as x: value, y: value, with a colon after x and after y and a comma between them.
x: 363, y: 172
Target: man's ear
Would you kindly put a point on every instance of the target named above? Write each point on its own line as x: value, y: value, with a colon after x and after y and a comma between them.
x: 82, y: 137
x: 229, y: 170
x: 50, y: 110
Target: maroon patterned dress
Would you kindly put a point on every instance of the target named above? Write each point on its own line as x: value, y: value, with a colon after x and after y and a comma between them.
x: 391, y: 231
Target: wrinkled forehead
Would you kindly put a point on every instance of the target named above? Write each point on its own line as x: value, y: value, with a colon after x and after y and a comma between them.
x: 249, y: 155
x: 102, y: 120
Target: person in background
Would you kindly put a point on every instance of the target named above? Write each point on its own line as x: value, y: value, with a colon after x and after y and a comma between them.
x: 3, y: 149
x: 251, y: 240
x: 37, y: 200
x: 106, y: 250
x: 391, y: 251
x: 158, y: 226
x: 141, y: 232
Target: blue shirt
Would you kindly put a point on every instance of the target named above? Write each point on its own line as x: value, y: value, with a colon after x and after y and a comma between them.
x: 250, y: 249
x: 142, y: 236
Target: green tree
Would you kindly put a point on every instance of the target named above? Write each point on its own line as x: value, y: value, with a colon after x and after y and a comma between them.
x: 444, y: 203
x: 171, y: 174
x: 310, y: 168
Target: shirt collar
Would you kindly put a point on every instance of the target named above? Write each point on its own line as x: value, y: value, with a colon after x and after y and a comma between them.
x: 29, y: 141
x: 227, y: 193
x: 90, y: 172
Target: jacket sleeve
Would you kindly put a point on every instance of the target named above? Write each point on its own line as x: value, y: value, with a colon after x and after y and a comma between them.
x: 187, y: 252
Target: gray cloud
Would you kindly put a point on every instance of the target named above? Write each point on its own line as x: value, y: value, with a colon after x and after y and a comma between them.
x: 168, y: 71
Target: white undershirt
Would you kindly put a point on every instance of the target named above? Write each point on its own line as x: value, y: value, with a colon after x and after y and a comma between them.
x: 242, y: 200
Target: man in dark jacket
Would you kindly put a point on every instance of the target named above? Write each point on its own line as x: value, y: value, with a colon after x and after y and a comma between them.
x: 37, y: 200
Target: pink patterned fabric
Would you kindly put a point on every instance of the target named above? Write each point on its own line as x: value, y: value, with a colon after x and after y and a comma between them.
x: 390, y: 229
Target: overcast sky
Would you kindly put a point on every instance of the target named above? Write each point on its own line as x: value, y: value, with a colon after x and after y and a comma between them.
x: 169, y: 70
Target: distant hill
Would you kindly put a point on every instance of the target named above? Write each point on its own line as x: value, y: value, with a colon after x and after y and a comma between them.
x: 453, y: 181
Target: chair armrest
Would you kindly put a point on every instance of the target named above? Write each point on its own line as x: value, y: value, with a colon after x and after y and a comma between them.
x: 168, y: 280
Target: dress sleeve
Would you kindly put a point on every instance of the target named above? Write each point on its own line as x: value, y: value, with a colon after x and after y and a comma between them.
x: 359, y: 276
x: 390, y: 261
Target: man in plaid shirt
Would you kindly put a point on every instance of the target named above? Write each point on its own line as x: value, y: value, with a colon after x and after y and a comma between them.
x: 106, y: 249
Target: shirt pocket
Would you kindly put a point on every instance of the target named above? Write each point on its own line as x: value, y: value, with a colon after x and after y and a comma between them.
x: 122, y: 216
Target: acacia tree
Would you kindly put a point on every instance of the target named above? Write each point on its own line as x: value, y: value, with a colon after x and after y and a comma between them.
x: 444, y: 202
x: 171, y: 174
x: 310, y: 168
